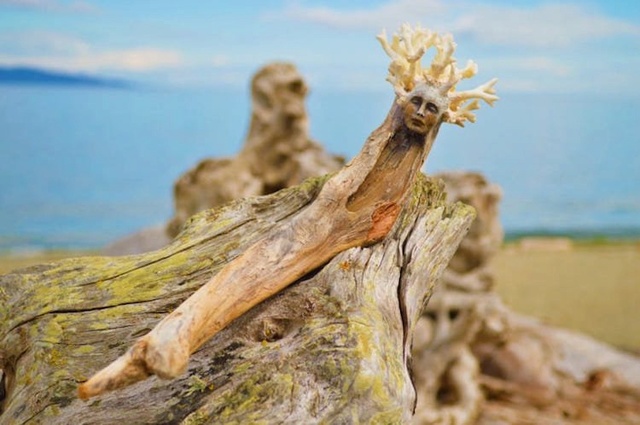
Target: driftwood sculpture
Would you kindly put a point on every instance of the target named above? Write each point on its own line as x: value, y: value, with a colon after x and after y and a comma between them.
x: 356, y: 207
x: 351, y: 312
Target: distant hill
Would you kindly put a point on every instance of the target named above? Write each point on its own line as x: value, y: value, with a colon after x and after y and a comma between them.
x: 35, y: 76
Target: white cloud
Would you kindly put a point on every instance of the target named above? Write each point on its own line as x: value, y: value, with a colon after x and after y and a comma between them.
x: 539, y: 26
x: 531, y: 73
x: 551, y: 25
x: 220, y: 61
x: 143, y: 59
x: 394, y: 12
x: 78, y: 6
x: 61, y: 51
x: 133, y: 60
x: 39, y: 42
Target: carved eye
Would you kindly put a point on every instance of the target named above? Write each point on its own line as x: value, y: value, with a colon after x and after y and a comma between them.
x: 453, y: 314
x: 416, y: 100
x: 296, y: 86
x: 262, y: 98
x: 431, y: 107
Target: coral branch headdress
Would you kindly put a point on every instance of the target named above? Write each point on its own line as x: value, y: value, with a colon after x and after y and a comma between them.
x: 405, y: 71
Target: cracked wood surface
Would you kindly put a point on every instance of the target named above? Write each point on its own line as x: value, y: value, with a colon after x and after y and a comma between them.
x: 331, y: 348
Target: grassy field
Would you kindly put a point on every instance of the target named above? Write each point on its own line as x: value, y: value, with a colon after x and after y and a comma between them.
x: 591, y: 287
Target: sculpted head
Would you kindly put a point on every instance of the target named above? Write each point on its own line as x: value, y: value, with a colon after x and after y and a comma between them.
x: 436, y: 83
x: 278, y: 93
x: 423, y: 108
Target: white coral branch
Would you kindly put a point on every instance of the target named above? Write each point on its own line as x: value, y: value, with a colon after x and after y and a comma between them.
x: 444, y: 58
x: 463, y: 114
x: 460, y: 110
x: 406, y: 49
x: 485, y: 92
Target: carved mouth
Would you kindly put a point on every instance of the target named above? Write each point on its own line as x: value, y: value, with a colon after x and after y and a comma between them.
x: 418, y: 123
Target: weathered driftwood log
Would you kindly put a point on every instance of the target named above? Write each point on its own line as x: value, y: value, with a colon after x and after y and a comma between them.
x: 332, y: 348
x: 470, y: 269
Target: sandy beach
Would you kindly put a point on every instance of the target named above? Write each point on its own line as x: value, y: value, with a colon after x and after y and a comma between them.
x: 593, y: 287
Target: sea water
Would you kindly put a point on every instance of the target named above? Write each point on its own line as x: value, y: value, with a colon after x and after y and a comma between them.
x: 81, y: 167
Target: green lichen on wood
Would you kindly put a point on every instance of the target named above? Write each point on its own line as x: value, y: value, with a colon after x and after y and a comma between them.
x: 328, y: 349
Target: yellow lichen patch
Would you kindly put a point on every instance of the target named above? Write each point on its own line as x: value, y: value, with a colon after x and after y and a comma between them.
x: 84, y: 350
x: 56, y: 358
x: 61, y: 374
x: 52, y: 332
x: 196, y: 385
x: 198, y: 417
x: 106, y: 318
x: 98, y: 326
x: 45, y: 297
x: 393, y: 416
x: 134, y: 286
x: 241, y: 368
x: 330, y: 368
x: 369, y: 382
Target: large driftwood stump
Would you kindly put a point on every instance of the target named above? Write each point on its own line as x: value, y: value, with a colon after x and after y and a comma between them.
x: 278, y: 151
x: 332, y: 348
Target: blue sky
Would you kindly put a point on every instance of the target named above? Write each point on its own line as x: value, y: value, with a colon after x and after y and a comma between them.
x: 566, y: 46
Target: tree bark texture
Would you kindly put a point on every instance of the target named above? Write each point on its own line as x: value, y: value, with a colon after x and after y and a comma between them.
x: 334, y: 347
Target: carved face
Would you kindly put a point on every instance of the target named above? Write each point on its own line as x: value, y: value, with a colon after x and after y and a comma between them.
x: 420, y: 113
x: 293, y: 90
x: 279, y: 90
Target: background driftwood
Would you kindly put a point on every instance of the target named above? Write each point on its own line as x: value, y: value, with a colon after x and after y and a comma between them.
x: 278, y: 152
x: 478, y: 362
x: 332, y: 348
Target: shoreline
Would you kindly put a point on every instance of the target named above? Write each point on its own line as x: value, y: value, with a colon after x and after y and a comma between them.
x: 588, y: 285
x: 577, y: 238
